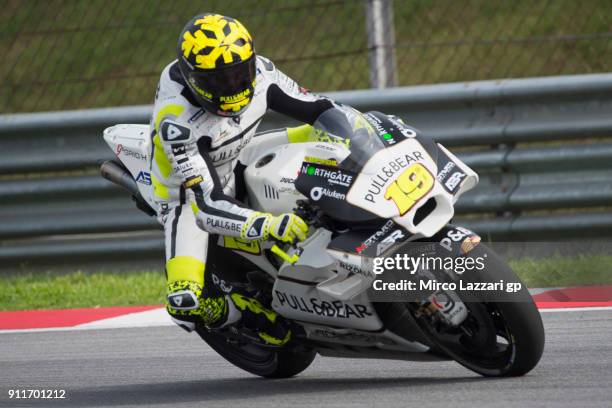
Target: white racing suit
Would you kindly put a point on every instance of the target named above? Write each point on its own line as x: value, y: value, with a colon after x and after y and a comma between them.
x: 193, y: 171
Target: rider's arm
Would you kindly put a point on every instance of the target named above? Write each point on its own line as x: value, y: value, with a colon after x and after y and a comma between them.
x: 285, y: 96
x: 215, y: 211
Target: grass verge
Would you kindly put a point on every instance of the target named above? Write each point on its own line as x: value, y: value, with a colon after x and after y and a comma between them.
x: 591, y: 269
x: 78, y: 289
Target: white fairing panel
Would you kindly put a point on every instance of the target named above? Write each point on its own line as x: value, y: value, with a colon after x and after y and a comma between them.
x: 315, y: 290
x: 270, y: 184
x: 383, y: 169
x: 472, y: 177
x: 306, y: 303
x: 132, y: 146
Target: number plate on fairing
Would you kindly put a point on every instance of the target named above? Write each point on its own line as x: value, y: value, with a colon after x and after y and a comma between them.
x: 398, y: 180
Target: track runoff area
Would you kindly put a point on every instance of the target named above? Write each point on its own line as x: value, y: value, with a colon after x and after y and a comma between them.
x: 585, y: 298
x: 390, y: 279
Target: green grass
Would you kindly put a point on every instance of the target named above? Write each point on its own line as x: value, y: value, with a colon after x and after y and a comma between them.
x: 78, y: 289
x: 564, y: 271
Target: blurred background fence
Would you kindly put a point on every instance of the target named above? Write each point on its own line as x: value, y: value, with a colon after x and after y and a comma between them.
x: 543, y: 146
x: 68, y: 54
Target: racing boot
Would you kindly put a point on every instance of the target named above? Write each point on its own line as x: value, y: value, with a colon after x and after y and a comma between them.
x: 268, y: 326
x: 187, y: 304
x: 189, y: 300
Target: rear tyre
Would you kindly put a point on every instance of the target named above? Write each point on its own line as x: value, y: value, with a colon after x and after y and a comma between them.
x: 258, y: 360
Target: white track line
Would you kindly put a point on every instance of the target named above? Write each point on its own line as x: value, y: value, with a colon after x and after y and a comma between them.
x: 148, y: 318
x: 576, y: 309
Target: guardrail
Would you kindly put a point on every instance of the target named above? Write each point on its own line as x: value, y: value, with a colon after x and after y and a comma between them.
x: 540, y: 145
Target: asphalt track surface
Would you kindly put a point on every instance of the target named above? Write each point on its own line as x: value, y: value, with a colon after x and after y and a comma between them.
x: 166, y: 367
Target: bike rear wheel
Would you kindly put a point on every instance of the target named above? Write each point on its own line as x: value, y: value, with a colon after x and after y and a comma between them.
x: 263, y: 361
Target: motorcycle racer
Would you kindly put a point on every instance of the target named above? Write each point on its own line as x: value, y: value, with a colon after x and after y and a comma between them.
x: 208, y: 105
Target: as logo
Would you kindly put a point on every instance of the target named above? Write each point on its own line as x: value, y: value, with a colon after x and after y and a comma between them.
x: 144, y: 178
x: 173, y: 132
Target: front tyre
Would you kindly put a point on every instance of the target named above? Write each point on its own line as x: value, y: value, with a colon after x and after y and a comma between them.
x: 258, y: 360
x: 498, y: 339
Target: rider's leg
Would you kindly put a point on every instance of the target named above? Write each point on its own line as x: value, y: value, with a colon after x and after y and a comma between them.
x: 227, y: 268
x: 189, y: 297
x: 193, y: 295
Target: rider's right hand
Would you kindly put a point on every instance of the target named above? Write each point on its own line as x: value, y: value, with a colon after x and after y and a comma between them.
x: 286, y: 227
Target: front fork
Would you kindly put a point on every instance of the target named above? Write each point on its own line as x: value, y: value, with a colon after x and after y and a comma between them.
x: 453, y: 241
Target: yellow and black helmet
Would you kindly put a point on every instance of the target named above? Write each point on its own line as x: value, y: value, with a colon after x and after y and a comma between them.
x: 217, y: 59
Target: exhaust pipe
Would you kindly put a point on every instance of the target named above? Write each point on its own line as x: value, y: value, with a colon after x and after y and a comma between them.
x: 116, y: 173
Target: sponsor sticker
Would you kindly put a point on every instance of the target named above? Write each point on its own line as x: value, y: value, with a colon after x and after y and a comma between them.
x: 454, y: 180
x: 332, y: 175
x: 455, y: 235
x: 387, y: 173
x: 144, y: 178
x: 354, y: 269
x: 319, y: 160
x: 389, y: 241
x: 469, y: 244
x: 320, y: 307
x: 193, y: 181
x: 372, y: 239
x: 443, y: 174
x: 221, y: 224
x: 450, y: 176
x: 122, y: 150
x: 318, y: 192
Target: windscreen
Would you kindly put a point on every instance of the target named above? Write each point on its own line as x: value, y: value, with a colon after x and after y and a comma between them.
x: 357, y: 134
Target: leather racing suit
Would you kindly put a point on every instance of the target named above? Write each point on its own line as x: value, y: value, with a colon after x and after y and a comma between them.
x: 193, y: 171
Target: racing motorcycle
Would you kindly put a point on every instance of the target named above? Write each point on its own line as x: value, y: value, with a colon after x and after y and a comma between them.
x: 370, y: 187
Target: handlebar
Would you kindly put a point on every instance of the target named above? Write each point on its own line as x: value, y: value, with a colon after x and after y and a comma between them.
x: 313, y: 216
x: 284, y: 255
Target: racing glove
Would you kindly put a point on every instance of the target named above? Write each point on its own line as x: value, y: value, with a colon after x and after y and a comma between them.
x: 285, y: 227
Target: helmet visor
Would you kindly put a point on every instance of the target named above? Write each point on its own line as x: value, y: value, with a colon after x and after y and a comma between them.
x: 228, y: 84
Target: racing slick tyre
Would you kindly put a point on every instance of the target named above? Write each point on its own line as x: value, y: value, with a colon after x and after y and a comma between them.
x: 497, y: 339
x: 263, y: 361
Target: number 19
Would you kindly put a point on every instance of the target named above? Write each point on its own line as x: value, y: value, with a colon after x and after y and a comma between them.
x: 412, y: 185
